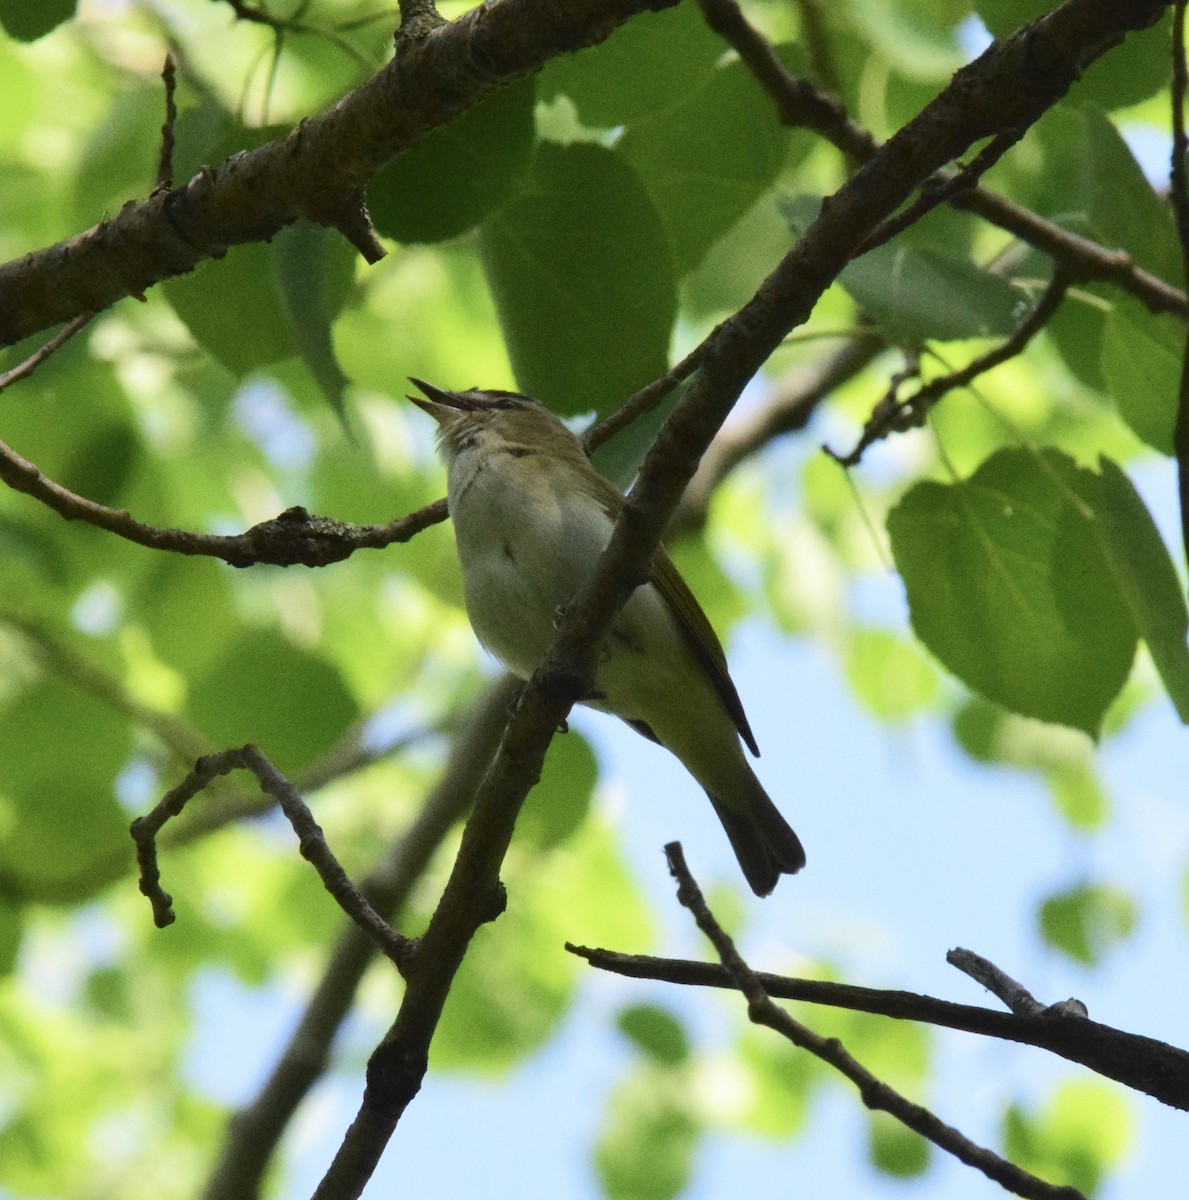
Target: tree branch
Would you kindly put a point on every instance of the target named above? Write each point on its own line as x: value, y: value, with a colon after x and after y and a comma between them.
x: 797, y: 397
x: 311, y: 840
x: 317, y: 172
x: 1180, y: 201
x: 255, y: 1130
x: 295, y: 537
x: 875, y: 1094
x: 893, y: 414
x: 1139, y: 1062
x: 800, y: 103
x: 1009, y: 86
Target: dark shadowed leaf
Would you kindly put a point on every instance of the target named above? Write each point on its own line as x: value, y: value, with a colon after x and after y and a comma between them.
x: 916, y: 289
x: 263, y: 689
x: 583, y: 280
x: 27, y: 20
x: 451, y: 179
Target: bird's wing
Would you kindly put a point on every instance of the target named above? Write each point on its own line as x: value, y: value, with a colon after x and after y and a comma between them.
x: 691, y: 620
x: 702, y: 639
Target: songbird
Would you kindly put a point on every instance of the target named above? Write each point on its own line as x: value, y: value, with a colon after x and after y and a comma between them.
x: 531, y: 518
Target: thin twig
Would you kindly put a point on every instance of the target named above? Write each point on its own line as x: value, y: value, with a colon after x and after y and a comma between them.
x: 894, y: 415
x: 295, y: 537
x: 165, y: 162
x: 643, y: 402
x: 25, y: 369
x: 941, y: 189
x: 254, y: 1131
x: 800, y: 103
x: 1015, y: 995
x: 311, y: 841
x: 875, y: 1094
x: 795, y: 399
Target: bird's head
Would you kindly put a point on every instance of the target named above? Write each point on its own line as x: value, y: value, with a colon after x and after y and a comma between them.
x: 491, y: 419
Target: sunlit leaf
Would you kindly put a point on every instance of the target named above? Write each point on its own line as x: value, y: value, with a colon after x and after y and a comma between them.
x: 1140, y: 359
x: 1147, y: 579
x: 706, y: 161
x: 1087, y: 921
x: 895, y: 1149
x: 1009, y: 587
x: 1084, y: 1130
x: 646, y: 1148
x: 889, y: 674
x: 656, y: 1032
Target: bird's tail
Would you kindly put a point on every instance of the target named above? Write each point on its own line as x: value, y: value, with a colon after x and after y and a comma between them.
x: 763, y: 841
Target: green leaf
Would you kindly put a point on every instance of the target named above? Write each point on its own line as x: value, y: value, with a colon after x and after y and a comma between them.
x: 1077, y: 792
x: 618, y: 81
x: 1132, y: 71
x: 706, y: 161
x: 287, y: 291
x: 894, y: 1148
x: 1009, y: 587
x: 458, y: 173
x: 561, y: 799
x: 583, y: 280
x: 27, y: 20
x: 646, y: 1148
x: 1076, y: 169
x: 1087, y: 921
x: 1141, y: 355
x: 1084, y: 1130
x: 1147, y: 578
x: 1063, y: 756
x: 64, y: 834
x: 313, y: 267
x: 656, y: 1032
x: 100, y: 469
x: 119, y: 161
x: 781, y: 1078
x: 620, y: 458
x: 889, y: 675
x: 263, y: 689
x: 915, y: 290
x: 253, y: 332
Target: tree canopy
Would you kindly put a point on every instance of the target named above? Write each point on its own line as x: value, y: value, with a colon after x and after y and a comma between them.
x: 877, y: 313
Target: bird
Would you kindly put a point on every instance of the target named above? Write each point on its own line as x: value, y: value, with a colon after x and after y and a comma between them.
x: 531, y: 517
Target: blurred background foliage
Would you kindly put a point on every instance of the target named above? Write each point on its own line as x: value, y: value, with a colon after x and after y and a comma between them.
x: 571, y: 236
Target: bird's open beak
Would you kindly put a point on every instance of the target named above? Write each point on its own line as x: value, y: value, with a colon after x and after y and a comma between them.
x: 441, y: 404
